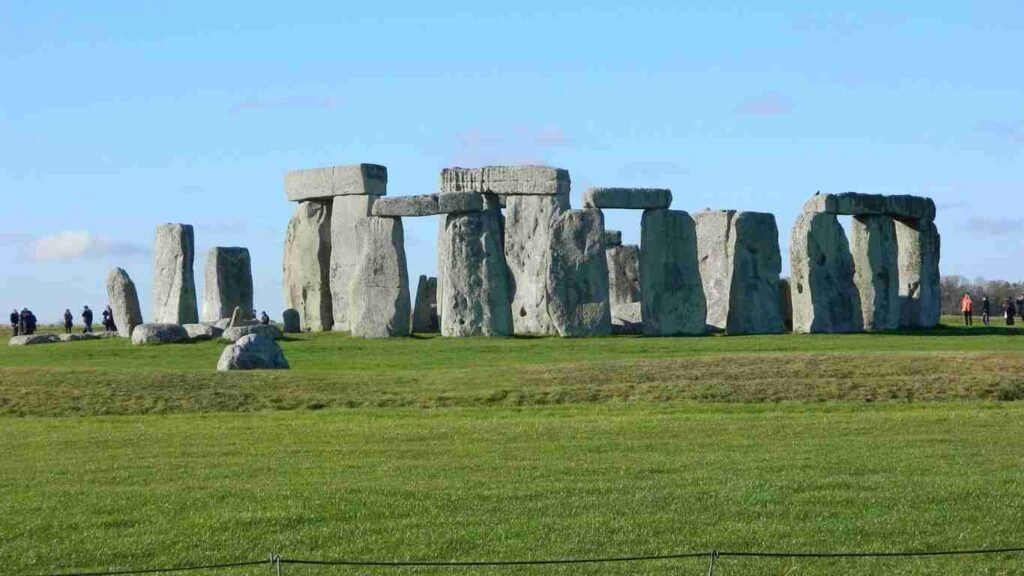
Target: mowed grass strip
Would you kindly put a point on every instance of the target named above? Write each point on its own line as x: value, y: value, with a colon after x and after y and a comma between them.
x: 506, y: 483
x: 334, y: 371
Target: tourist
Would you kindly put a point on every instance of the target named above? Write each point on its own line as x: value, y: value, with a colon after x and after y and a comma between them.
x: 87, y: 320
x: 23, y: 323
x: 30, y: 322
x: 68, y: 321
x: 967, y: 307
x: 1009, y: 311
x: 15, y: 321
x: 264, y: 319
x: 986, y: 310
x: 1020, y: 305
x: 108, y: 320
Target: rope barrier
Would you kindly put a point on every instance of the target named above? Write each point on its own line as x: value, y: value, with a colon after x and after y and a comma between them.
x: 162, y: 570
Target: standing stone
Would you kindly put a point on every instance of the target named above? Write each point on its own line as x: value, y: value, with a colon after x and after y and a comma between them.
x: 292, y: 321
x: 623, y: 275
x: 124, y: 301
x: 756, y: 266
x: 671, y: 292
x: 307, y: 266
x: 919, y: 248
x: 529, y: 221
x: 824, y: 296
x: 349, y: 215
x: 475, y: 300
x: 876, y: 271
x: 174, y: 284
x: 228, y: 282
x: 378, y: 297
x: 714, y: 246
x: 424, y: 310
x: 577, y: 277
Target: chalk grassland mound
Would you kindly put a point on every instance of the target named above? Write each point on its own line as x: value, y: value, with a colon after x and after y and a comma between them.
x: 331, y: 370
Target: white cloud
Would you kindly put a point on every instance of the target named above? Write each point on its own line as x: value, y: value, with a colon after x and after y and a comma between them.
x: 77, y: 244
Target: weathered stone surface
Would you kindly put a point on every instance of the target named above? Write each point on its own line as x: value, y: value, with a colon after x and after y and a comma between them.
x: 627, y: 318
x: 75, y: 337
x: 507, y: 180
x: 462, y: 202
x: 425, y: 205
x: 627, y: 198
x: 197, y: 332
x: 348, y: 213
x: 612, y: 238
x: 33, y: 339
x: 786, y: 303
x: 252, y: 352
x: 919, y: 251
x: 740, y: 262
x: 876, y: 271
x: 307, y: 266
x: 671, y: 291
x: 292, y: 321
x: 223, y: 323
x: 856, y: 204
x: 475, y: 301
x: 529, y: 221
x: 159, y: 334
x: 424, y: 314
x: 577, y: 278
x: 228, y: 282
x: 623, y: 275
x: 124, y: 302
x: 378, y: 303
x: 823, y: 293
x: 241, y: 317
x: 332, y: 181
x: 174, y: 283
x: 271, y: 331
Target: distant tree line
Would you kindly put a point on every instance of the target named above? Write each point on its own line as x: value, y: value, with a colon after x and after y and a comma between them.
x: 953, y: 288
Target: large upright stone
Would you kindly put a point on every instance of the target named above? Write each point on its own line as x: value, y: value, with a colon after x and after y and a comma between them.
x: 124, y: 302
x: 823, y: 293
x: 529, y: 221
x: 876, y: 271
x: 577, y: 277
x: 475, y: 300
x: 228, y: 282
x: 671, y: 292
x: 307, y: 266
x: 623, y: 274
x: 424, y: 312
x: 740, y: 263
x: 331, y: 181
x: 349, y: 215
x: 919, y: 249
x: 174, y: 284
x: 378, y: 297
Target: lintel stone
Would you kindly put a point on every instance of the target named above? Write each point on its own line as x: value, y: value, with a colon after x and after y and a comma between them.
x: 857, y: 204
x: 627, y: 198
x: 329, y: 181
x: 507, y: 180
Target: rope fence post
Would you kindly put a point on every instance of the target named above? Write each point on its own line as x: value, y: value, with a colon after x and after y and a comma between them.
x: 275, y: 563
x: 711, y: 562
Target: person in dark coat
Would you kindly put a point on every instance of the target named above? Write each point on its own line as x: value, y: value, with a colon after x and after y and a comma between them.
x: 986, y: 310
x: 23, y: 323
x: 30, y: 322
x: 108, y: 320
x: 1009, y: 310
x: 15, y: 321
x: 69, y: 321
x: 87, y: 320
x: 264, y: 319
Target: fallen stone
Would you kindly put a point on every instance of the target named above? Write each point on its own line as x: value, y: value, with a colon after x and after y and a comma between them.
x: 475, y: 301
x: 223, y: 323
x: 292, y: 321
x: 424, y: 312
x: 241, y: 317
x: 823, y: 293
x: 198, y: 332
x: 671, y: 291
x: 856, y: 204
x: 332, y: 181
x: 507, y: 180
x: 920, y: 290
x: 77, y: 337
x: 159, y: 334
x: 252, y: 352
x: 124, y: 302
x: 174, y: 284
x: 228, y: 282
x: 529, y: 221
x: 378, y: 303
x: 577, y: 278
x: 307, y: 266
x: 33, y: 339
x: 627, y: 318
x: 627, y: 198
x: 623, y: 275
x: 348, y: 214
x: 612, y: 238
x: 876, y: 271
x: 271, y: 331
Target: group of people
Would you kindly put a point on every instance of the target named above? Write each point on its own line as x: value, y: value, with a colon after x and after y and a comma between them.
x: 23, y: 323
x: 1011, y: 308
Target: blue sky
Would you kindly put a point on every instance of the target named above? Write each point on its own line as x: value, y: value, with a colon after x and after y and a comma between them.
x: 117, y: 117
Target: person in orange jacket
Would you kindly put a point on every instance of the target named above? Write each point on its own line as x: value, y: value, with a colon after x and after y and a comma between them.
x: 967, y: 307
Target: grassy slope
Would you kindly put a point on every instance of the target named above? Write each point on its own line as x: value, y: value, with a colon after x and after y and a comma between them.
x: 94, y: 493
x: 331, y: 370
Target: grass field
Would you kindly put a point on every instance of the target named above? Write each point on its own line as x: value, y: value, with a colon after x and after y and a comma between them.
x: 424, y: 448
